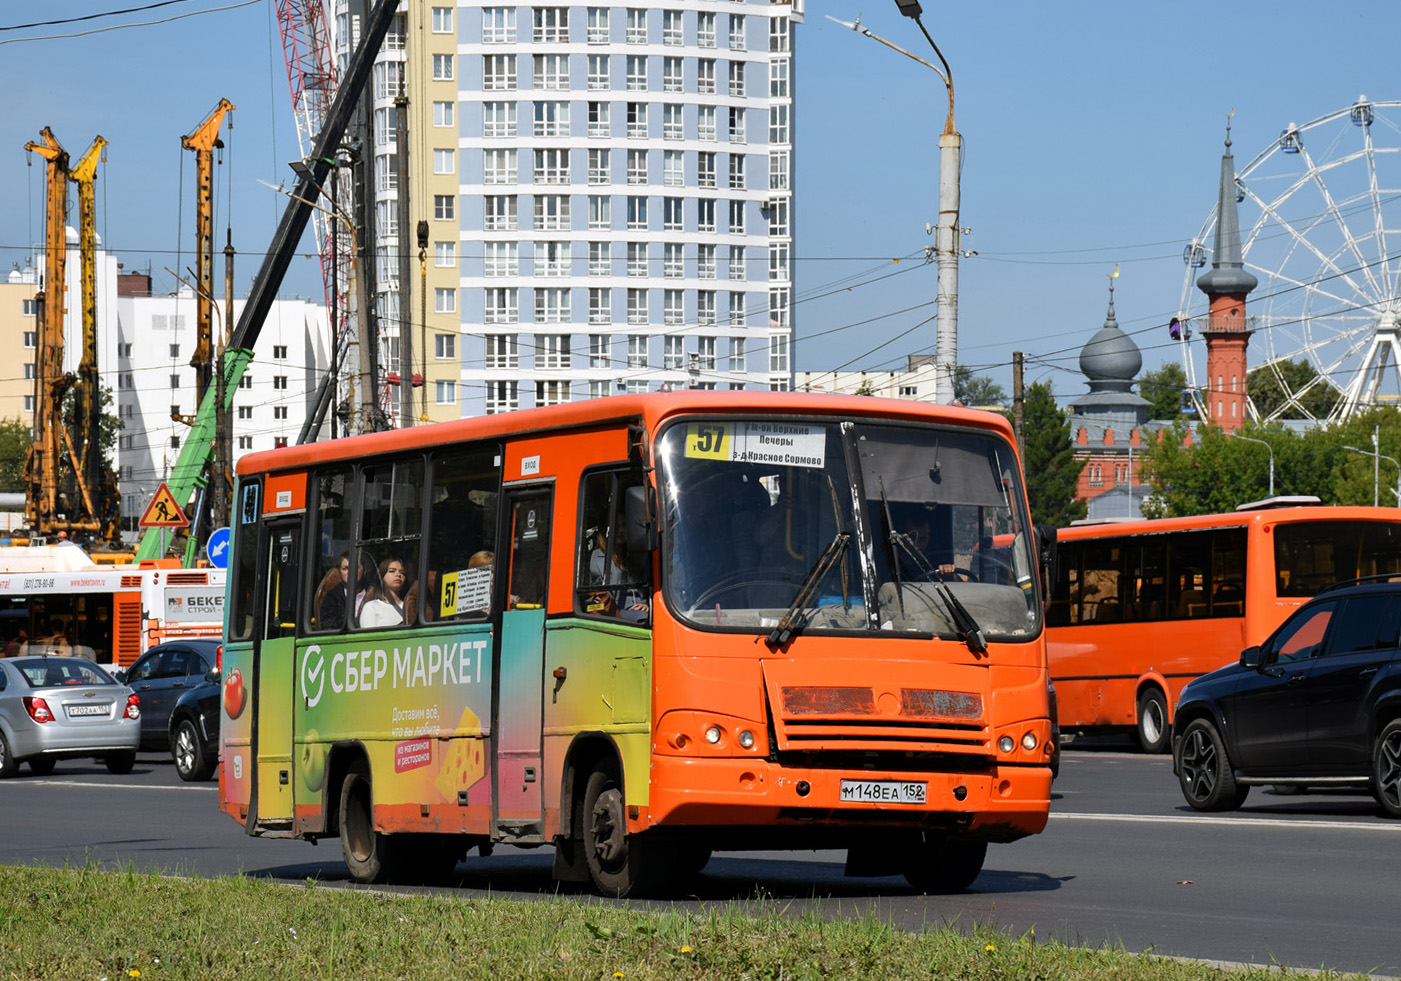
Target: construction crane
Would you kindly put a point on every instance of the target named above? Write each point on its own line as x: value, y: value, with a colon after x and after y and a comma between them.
x: 190, y: 473
x: 203, y: 141
x: 76, y: 494
x: 96, y: 483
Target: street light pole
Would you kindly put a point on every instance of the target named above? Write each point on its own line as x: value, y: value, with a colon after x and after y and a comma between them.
x: 1376, y: 475
x: 1250, y: 439
x: 947, y: 231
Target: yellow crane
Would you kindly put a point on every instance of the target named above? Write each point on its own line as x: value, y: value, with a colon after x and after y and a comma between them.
x: 96, y: 484
x: 41, y: 467
x: 79, y: 494
x: 203, y: 141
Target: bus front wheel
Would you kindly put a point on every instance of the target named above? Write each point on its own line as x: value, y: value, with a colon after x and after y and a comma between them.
x: 366, y: 850
x: 1154, y: 734
x: 945, y: 864
x: 620, y: 864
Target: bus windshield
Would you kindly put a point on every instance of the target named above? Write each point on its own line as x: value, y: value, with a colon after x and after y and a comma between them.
x: 850, y: 526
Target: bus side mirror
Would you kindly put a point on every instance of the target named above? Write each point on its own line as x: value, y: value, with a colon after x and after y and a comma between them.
x: 639, y: 511
x: 1250, y: 657
x: 1045, y: 536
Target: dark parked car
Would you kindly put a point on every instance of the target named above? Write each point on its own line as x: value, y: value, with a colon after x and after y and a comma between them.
x: 194, y: 730
x: 161, y: 675
x: 1318, y: 703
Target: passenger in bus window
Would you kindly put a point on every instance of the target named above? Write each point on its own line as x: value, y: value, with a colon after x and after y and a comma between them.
x: 374, y: 605
x: 384, y: 603
x: 16, y: 645
x: 330, y: 602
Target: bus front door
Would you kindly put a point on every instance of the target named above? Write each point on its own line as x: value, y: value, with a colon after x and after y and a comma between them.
x: 520, y: 673
x: 276, y: 669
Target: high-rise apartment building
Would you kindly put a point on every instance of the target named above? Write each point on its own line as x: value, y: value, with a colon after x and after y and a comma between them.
x: 602, y: 198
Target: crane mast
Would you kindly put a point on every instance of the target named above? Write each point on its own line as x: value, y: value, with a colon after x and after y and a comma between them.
x: 203, y: 141
x: 41, y: 467
x: 95, y: 483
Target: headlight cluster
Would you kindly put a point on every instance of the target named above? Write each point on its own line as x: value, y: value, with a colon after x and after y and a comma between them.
x: 689, y: 733
x: 1028, y: 742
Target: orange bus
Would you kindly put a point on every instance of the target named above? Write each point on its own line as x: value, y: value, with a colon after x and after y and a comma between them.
x: 639, y: 629
x: 1140, y: 608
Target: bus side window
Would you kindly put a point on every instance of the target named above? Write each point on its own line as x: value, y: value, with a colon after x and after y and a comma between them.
x: 610, y: 580
x: 462, y: 498
x: 390, y: 530
x: 328, y: 607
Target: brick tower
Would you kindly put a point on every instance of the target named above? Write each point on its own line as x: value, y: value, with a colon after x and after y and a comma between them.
x: 1226, y: 285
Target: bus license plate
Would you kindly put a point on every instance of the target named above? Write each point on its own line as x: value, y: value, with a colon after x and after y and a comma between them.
x: 75, y: 710
x: 883, y: 791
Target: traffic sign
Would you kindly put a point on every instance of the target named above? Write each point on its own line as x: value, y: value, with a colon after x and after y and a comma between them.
x: 163, y: 511
x: 217, y: 548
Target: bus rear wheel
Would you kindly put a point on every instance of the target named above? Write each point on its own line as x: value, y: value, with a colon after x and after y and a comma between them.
x: 1154, y: 734
x: 366, y: 851
x: 945, y: 864
x: 620, y: 864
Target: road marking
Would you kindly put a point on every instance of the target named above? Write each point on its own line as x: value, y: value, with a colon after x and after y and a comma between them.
x: 1247, y: 822
x: 16, y: 784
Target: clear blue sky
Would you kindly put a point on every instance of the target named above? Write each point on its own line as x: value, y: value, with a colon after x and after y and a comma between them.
x: 1093, y: 137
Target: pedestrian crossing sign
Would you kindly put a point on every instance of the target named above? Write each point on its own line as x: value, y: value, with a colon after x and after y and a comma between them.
x: 163, y: 512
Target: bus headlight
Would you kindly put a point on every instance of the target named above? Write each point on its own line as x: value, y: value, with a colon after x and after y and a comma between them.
x: 712, y: 735
x: 746, y: 739
x: 1006, y: 744
x: 1029, y: 741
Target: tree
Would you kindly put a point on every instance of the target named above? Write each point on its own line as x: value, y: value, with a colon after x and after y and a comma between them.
x: 1268, y: 394
x: 976, y: 390
x: 1052, y: 472
x: 1163, y: 386
x: 1211, y: 475
x: 15, y: 440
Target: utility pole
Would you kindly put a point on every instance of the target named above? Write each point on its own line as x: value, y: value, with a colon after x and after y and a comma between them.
x: 405, y: 265
x: 222, y: 488
x: 1018, y: 404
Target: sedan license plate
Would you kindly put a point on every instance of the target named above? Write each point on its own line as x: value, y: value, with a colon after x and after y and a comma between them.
x: 81, y: 710
x: 883, y: 791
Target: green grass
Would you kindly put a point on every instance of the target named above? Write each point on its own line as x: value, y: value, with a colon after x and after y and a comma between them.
x: 89, y: 924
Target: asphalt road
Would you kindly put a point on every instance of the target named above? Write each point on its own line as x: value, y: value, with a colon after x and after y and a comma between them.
x: 1304, y: 881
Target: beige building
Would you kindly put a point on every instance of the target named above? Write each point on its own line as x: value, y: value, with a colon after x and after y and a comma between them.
x: 915, y: 383
x: 18, y: 342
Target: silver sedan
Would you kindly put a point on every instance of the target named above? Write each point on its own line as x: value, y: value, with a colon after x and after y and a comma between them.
x: 54, y: 708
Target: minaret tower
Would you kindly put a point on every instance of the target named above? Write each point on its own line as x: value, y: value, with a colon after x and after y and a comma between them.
x: 1226, y: 285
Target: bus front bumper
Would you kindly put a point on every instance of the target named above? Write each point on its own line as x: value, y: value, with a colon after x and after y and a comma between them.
x: 1001, y: 803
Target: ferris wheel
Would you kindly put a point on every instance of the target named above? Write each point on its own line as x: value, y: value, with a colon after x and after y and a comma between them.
x: 1320, y: 217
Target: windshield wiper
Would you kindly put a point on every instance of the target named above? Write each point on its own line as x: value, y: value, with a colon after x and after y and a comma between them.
x: 796, y: 616
x: 959, y: 616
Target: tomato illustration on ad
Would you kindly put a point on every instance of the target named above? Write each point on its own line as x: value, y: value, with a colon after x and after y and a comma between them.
x: 234, y: 694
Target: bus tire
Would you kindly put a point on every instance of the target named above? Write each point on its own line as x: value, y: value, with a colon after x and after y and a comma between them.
x: 1204, y: 771
x: 1154, y: 733
x: 366, y: 851
x: 943, y: 865
x: 620, y: 864
x: 1386, y: 769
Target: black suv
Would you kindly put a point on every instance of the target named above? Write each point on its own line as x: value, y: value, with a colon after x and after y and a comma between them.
x: 1317, y: 704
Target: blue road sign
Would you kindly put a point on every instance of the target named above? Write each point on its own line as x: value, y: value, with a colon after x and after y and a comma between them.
x: 217, y: 548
